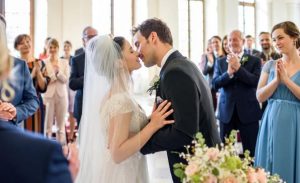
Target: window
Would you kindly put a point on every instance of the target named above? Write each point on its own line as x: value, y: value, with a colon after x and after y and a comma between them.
x: 113, y: 16
x: 191, y: 28
x: 122, y: 18
x: 247, y: 17
x: 102, y: 16
x: 19, y: 20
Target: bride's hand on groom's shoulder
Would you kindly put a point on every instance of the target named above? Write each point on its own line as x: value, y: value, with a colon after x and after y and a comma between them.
x: 159, y: 115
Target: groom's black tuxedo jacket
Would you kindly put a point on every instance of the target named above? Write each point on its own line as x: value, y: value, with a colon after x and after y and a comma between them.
x: 184, y: 86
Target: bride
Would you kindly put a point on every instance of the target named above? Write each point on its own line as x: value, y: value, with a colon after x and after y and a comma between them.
x: 113, y: 126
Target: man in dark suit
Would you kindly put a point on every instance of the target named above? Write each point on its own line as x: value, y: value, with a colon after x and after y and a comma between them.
x: 236, y: 77
x: 248, y: 47
x: 79, y: 51
x: 28, y: 158
x: 77, y: 72
x: 183, y: 85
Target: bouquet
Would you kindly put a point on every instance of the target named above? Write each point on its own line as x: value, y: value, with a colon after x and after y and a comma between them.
x: 220, y: 164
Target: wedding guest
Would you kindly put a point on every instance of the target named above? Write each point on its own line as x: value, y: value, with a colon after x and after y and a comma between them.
x: 225, y: 45
x: 268, y: 52
x: 208, y: 56
x: 23, y: 44
x: 236, y: 77
x: 56, y: 96
x: 18, y: 99
x: 249, y: 47
x: 43, y: 161
x: 278, y: 142
x: 71, y: 93
x: 209, y: 66
x: 44, y: 54
x: 77, y: 72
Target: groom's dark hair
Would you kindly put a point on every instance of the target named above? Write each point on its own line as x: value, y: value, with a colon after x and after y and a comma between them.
x: 155, y: 25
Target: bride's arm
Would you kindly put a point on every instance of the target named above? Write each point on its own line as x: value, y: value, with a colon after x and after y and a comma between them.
x: 122, y: 145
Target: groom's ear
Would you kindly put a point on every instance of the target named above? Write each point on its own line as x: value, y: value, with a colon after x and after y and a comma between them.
x: 153, y: 37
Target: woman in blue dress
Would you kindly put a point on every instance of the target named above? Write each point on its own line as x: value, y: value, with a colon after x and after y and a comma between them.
x: 278, y: 143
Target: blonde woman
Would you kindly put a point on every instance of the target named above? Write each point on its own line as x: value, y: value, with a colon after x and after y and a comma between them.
x: 56, y: 97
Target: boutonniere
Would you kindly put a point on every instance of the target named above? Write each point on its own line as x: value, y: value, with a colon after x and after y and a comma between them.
x: 153, y: 84
x: 244, y: 60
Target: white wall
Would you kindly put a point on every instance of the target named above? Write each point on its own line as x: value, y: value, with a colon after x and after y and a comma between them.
x: 67, y: 18
x: 166, y: 10
x: 211, y: 18
x: 283, y: 10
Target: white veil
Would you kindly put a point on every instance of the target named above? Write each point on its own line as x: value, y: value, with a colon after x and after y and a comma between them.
x: 103, y: 70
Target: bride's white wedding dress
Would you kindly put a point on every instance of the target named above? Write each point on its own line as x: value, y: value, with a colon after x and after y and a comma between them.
x: 133, y: 169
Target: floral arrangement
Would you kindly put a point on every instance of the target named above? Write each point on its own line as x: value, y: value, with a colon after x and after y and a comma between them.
x: 153, y: 84
x: 219, y: 164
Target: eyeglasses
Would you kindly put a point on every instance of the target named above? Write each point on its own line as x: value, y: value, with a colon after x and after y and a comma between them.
x: 88, y: 37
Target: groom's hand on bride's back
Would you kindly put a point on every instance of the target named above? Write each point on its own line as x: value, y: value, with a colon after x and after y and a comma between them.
x: 159, y: 115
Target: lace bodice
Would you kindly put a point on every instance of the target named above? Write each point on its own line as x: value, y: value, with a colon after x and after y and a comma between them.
x: 120, y: 104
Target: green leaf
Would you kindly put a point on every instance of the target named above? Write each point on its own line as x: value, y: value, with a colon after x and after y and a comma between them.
x: 178, y: 165
x: 195, y: 178
x: 216, y: 172
x: 179, y: 173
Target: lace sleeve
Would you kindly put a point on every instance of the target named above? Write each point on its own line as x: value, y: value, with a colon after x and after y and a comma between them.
x: 118, y: 104
x: 268, y: 66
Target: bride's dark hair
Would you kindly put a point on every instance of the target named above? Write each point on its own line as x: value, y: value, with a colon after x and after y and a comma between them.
x: 120, y: 41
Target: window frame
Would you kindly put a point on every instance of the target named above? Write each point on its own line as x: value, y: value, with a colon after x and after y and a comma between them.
x: 31, y: 21
x: 2, y: 7
x: 112, y: 14
x: 189, y: 25
x: 247, y: 4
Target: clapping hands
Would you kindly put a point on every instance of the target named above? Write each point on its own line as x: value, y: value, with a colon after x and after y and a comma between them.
x: 7, y: 111
x: 281, y: 74
x: 233, y: 63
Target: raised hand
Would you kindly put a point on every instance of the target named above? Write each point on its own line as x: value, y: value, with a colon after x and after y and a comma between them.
x: 158, y: 117
x: 233, y: 61
x: 276, y: 72
x: 283, y: 75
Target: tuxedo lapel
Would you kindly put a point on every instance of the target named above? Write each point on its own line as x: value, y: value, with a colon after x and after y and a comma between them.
x: 174, y: 55
x: 159, y: 97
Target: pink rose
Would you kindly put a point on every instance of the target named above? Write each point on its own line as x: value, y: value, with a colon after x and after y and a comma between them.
x: 261, y: 176
x: 229, y: 179
x: 191, y: 169
x: 213, y: 154
x: 251, y: 176
x: 211, y: 179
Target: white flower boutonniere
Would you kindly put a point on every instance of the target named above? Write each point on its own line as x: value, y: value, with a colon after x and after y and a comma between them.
x: 244, y: 60
x: 154, y: 84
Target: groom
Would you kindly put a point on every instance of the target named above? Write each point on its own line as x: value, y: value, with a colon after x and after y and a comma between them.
x: 183, y: 85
